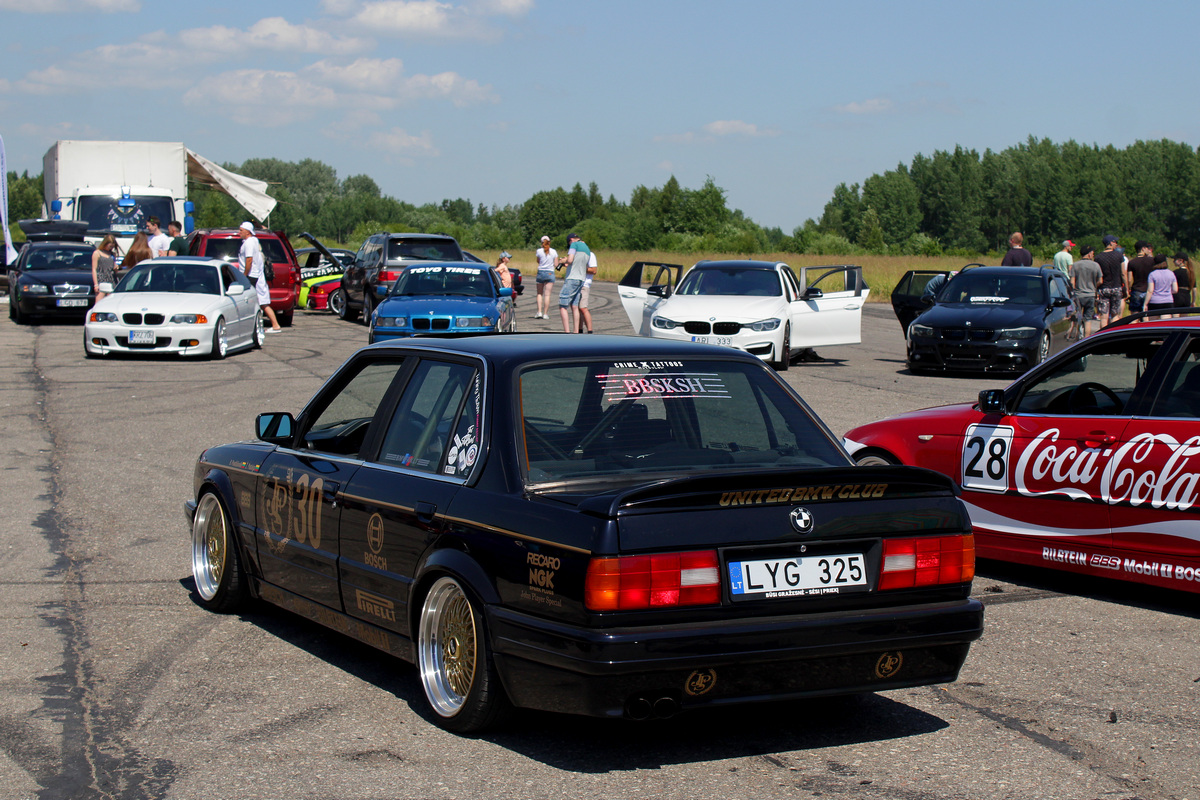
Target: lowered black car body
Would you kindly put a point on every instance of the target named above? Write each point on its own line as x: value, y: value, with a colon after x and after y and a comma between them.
x: 609, y: 526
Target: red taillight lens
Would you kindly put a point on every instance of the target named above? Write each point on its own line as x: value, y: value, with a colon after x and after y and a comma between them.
x: 656, y: 581
x: 928, y: 561
x: 387, y: 276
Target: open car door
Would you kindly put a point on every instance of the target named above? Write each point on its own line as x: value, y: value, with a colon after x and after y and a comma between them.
x: 641, y: 303
x: 906, y: 297
x: 829, y: 310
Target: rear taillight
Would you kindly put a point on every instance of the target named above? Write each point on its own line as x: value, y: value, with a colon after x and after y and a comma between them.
x: 387, y: 276
x: 663, y: 580
x: 928, y: 561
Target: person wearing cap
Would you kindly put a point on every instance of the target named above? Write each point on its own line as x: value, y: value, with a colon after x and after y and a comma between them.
x: 1109, y: 295
x: 502, y: 270
x: 1138, y: 271
x: 576, y: 262
x: 250, y: 259
x: 1063, y: 259
x: 585, y: 316
x: 546, y: 258
x: 1017, y: 255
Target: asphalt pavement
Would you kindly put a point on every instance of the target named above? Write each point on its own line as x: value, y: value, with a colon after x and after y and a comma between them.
x: 114, y: 683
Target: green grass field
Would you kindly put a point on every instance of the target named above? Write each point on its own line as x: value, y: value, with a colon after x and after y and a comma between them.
x: 880, y: 272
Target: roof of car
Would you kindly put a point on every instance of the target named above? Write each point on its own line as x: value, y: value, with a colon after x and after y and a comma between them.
x: 549, y: 346
x: 231, y: 232
x: 411, y: 235
x: 741, y: 264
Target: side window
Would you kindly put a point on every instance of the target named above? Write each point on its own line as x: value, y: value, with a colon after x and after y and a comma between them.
x: 1098, y: 381
x: 227, y: 278
x: 1058, y: 289
x: 790, y: 284
x: 1180, y: 393
x: 342, y: 426
x: 423, y: 427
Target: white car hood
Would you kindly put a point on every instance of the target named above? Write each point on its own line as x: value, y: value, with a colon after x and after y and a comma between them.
x: 161, y: 303
x: 725, y: 308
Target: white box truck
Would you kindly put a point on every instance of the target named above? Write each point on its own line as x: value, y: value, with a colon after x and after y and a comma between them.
x: 116, y: 186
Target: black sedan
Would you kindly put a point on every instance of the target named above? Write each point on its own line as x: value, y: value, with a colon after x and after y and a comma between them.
x: 52, y: 276
x: 992, y: 319
x: 602, y: 525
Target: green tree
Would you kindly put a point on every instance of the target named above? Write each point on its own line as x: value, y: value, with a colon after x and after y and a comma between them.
x: 547, y: 213
x: 894, y: 197
x: 870, y: 234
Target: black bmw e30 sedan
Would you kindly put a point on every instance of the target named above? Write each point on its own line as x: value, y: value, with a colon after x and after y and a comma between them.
x: 601, y: 525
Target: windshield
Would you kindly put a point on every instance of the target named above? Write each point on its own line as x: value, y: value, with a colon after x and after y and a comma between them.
x: 731, y: 281
x: 444, y: 281
x: 609, y: 424
x: 412, y: 249
x: 186, y: 278
x: 971, y: 287
x: 105, y: 214
x: 44, y: 258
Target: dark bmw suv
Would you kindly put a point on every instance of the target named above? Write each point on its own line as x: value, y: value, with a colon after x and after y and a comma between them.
x: 379, y: 262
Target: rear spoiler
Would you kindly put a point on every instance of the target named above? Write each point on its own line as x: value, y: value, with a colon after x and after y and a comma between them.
x: 828, y: 484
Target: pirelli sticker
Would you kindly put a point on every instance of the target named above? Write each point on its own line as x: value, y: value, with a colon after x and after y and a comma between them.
x: 803, y: 494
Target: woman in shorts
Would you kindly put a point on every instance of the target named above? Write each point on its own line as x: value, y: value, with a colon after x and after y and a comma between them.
x: 546, y: 256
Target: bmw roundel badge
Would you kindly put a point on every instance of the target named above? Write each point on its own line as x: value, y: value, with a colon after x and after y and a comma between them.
x: 801, y: 519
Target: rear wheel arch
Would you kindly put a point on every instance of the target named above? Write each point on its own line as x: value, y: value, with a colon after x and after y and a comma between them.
x: 875, y: 456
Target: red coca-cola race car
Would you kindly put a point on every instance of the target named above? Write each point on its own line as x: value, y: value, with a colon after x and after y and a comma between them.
x: 1089, y: 462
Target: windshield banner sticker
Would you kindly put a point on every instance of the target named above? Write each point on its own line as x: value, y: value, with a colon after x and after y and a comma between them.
x: 622, y: 384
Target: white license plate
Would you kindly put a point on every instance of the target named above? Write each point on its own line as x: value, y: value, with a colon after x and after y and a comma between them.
x: 795, y: 577
x: 71, y: 302
x: 141, y: 337
x: 724, y: 341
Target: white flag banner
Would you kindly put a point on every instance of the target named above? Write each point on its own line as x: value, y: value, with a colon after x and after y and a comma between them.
x: 10, y: 253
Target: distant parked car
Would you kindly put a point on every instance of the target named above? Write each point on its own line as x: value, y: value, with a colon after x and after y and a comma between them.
x: 379, y: 262
x: 992, y: 319
x: 444, y: 298
x: 179, y: 304
x: 224, y: 243
x: 321, y: 271
x: 52, y: 276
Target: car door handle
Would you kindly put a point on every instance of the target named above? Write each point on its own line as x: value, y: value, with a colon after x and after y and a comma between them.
x: 425, y: 511
x: 1098, y: 439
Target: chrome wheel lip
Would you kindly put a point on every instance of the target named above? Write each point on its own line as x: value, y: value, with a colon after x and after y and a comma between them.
x: 447, y: 647
x: 210, y: 546
x: 259, y: 330
x: 873, y: 461
x: 222, y: 338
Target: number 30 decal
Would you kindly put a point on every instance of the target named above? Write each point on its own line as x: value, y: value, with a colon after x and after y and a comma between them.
x: 985, y: 457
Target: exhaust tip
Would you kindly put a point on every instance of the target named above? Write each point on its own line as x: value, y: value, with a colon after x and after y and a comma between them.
x: 639, y: 708
x: 666, y: 707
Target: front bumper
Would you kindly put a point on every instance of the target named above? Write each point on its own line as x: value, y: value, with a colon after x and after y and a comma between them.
x: 761, y: 344
x: 607, y: 673
x: 104, y: 338
x: 49, y: 305
x: 1015, y: 355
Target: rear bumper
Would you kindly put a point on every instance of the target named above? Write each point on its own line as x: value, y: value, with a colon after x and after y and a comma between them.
x: 604, y: 673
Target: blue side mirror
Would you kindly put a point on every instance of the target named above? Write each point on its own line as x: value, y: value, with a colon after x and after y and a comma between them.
x: 506, y: 291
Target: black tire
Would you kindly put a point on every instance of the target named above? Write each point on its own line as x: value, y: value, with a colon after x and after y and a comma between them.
x: 285, y: 318
x: 14, y: 311
x: 369, y: 304
x: 339, y: 304
x: 217, y: 570
x: 220, y: 341
x: 454, y: 660
x: 785, y: 357
x: 1043, y: 348
x: 874, y: 457
x: 259, y: 333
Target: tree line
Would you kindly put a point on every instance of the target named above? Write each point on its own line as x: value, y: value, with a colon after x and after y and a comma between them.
x: 957, y: 203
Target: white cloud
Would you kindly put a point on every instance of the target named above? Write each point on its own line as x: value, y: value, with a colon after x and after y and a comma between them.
x: 408, y: 16
x: 712, y: 131
x: 401, y: 142
x: 70, y: 6
x: 876, y: 105
x: 508, y: 8
x: 272, y: 33
x: 735, y: 127
x: 386, y: 84
x: 364, y: 74
x: 259, y: 98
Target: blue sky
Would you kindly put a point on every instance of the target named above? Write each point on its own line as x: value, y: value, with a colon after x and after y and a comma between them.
x: 493, y: 100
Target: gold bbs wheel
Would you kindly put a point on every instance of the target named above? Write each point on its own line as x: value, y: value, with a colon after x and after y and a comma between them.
x: 448, y: 647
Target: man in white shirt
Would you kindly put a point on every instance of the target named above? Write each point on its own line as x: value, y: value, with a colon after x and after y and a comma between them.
x: 160, y: 243
x: 250, y: 259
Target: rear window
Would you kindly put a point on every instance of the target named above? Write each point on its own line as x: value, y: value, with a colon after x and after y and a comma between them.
x: 416, y: 249
x: 617, y: 423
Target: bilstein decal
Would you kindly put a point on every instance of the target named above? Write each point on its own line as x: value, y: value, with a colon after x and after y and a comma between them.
x: 803, y: 494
